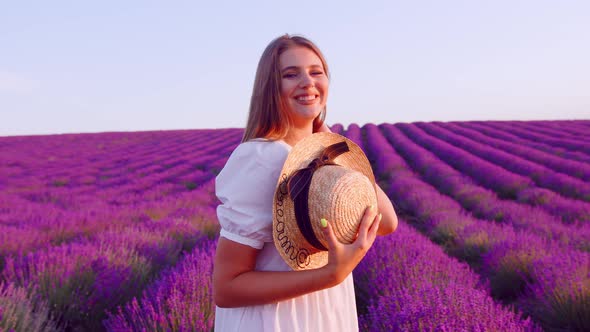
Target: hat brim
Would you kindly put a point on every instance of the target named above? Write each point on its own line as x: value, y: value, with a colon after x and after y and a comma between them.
x: 288, y: 240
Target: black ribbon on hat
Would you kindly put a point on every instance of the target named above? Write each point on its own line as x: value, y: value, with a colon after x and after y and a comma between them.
x: 298, y: 188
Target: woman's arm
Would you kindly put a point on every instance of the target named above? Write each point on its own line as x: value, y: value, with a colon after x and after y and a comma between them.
x: 389, y: 222
x: 237, y: 284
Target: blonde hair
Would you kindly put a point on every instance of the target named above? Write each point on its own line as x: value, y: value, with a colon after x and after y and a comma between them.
x: 267, y: 116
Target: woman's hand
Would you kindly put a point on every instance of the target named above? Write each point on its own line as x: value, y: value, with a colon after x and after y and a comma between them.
x: 343, y: 258
x: 236, y: 283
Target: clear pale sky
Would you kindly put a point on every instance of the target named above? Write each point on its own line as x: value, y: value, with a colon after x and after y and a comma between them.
x: 82, y: 66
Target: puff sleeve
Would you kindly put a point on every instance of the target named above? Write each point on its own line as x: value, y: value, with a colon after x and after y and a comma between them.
x: 245, y: 186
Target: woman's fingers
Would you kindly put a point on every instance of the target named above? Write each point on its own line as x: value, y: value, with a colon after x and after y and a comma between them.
x: 329, y: 234
x: 367, y: 229
x: 367, y: 221
x: 375, y: 226
x: 368, y: 237
x: 344, y: 258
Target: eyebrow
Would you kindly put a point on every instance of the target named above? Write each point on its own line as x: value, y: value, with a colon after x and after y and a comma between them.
x: 297, y: 68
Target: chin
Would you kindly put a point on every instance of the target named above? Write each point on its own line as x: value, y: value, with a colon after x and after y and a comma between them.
x: 309, y: 114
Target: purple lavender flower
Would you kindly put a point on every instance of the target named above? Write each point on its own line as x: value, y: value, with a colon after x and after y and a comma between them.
x: 406, y: 283
x: 180, y: 300
x: 22, y: 311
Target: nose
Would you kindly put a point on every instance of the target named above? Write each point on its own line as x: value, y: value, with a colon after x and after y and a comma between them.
x: 306, y: 81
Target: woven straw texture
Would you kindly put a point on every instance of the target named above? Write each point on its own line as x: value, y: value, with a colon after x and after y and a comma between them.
x: 338, y: 193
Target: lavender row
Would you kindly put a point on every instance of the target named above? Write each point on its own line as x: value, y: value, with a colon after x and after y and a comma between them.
x: 19, y: 312
x: 179, y: 300
x: 337, y: 128
x: 515, y: 262
x: 103, y: 163
x: 480, y: 201
x: 53, y: 152
x: 531, y: 128
x: 72, y: 197
x: 506, y: 184
x: 117, y: 174
x: 81, y: 280
x: 556, y: 128
x: 155, y: 232
x: 407, y: 283
x: 184, y: 174
x: 354, y: 134
x: 188, y: 288
x: 574, y: 127
x: 145, y: 239
x: 564, y: 132
x: 181, y: 178
x: 30, y: 227
x: 572, y: 145
x: 105, y: 259
x: 541, y: 175
x: 485, y: 129
x: 569, y: 167
x: 415, y: 257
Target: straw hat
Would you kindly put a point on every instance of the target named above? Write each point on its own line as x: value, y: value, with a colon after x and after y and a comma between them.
x: 326, y: 176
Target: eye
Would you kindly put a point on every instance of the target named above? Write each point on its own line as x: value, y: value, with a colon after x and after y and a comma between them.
x: 316, y: 73
x: 289, y: 75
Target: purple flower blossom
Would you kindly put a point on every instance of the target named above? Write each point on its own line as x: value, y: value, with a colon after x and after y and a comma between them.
x: 180, y: 299
x: 116, y: 230
x: 407, y: 283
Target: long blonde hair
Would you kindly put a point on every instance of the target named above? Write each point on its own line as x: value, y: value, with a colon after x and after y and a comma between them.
x: 267, y: 116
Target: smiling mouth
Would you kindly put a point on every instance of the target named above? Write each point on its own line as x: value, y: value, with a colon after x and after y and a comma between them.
x: 307, y: 98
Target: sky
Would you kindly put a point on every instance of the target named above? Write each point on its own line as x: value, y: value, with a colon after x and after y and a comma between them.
x: 96, y: 66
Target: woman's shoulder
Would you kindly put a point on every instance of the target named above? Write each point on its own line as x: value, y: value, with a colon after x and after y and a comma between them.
x: 253, y: 164
x: 265, y: 152
x: 265, y: 143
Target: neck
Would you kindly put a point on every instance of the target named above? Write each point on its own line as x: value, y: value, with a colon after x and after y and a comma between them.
x: 294, y: 135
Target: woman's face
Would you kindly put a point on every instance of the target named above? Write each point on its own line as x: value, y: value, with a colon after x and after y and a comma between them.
x: 304, y: 84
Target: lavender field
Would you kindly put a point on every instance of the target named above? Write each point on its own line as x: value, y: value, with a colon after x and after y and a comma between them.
x: 117, y: 231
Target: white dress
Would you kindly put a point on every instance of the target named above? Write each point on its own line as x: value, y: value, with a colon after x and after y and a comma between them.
x: 245, y: 186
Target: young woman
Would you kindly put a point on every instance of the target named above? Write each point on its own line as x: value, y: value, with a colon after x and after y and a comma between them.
x: 253, y: 288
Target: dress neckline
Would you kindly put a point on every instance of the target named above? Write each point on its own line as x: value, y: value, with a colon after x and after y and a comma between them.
x: 263, y: 139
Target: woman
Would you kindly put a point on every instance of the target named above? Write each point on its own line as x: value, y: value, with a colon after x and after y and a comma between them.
x: 253, y: 288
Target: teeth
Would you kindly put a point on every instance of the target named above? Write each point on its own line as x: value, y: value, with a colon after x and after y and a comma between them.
x: 305, y: 98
